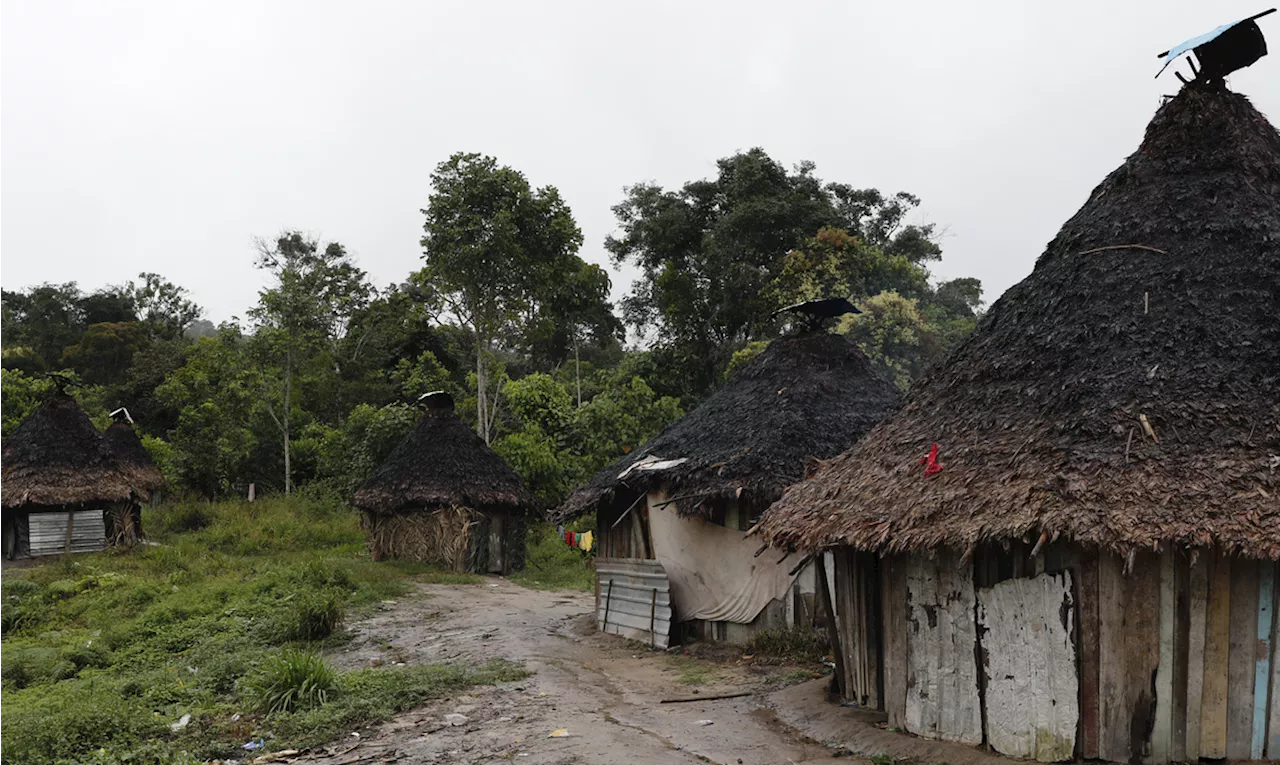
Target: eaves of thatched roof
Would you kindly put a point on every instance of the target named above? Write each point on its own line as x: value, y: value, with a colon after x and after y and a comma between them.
x: 56, y: 458
x: 803, y: 397
x: 132, y: 457
x: 1126, y: 394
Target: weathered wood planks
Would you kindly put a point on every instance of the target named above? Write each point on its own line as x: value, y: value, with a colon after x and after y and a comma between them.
x: 1262, y: 658
x: 1242, y: 663
x: 942, y: 686
x: 1217, y: 650
x: 1162, y: 730
x: 1128, y: 653
x: 1032, y: 686
x: 895, y: 639
x: 1197, y: 613
x: 1088, y: 589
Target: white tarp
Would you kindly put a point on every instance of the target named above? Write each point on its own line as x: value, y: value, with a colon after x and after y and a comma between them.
x: 712, y: 571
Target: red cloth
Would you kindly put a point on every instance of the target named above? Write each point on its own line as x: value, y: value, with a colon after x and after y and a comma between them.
x: 932, y: 466
x: 568, y: 538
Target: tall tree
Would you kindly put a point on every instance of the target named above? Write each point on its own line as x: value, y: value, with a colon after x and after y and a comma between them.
x: 496, y: 249
x: 47, y: 318
x: 708, y: 252
x: 312, y: 296
x: 163, y: 306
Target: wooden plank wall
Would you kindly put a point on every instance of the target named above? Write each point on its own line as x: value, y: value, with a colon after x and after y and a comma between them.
x: 857, y: 612
x: 893, y: 601
x: 942, y: 675
x: 1186, y: 658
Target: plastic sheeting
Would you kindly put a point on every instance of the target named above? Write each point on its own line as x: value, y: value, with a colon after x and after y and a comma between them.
x: 712, y: 569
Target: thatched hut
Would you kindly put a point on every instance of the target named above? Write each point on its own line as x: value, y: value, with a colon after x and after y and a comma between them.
x: 1091, y: 572
x: 444, y: 497
x: 62, y: 489
x: 672, y: 516
x: 133, y: 460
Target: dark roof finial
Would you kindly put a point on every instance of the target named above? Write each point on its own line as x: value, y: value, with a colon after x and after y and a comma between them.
x: 1220, y: 52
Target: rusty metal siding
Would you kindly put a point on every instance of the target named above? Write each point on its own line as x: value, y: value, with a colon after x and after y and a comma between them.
x: 634, y: 600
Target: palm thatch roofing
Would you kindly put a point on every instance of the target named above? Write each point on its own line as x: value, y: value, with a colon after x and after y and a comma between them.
x: 132, y: 457
x: 442, y: 463
x: 56, y: 458
x: 804, y: 397
x: 1121, y: 396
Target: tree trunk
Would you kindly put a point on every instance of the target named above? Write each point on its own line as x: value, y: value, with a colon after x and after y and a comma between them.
x: 288, y: 390
x: 482, y: 384
x: 577, y: 368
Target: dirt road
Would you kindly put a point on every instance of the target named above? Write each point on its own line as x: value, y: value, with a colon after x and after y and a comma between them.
x: 603, y: 691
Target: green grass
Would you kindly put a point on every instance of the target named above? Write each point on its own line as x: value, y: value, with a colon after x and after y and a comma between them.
x: 104, y: 652
x: 691, y: 671
x: 550, y: 564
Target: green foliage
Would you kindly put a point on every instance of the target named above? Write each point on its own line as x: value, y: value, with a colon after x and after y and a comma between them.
x: 744, y: 355
x: 550, y: 564
x: 424, y: 374
x: 290, y: 681
x: 314, y: 615
x: 350, y: 453
x: 20, y: 394
x: 106, y: 650
x: 106, y: 350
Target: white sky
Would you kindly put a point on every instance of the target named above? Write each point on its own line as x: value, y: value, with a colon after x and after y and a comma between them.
x: 165, y: 136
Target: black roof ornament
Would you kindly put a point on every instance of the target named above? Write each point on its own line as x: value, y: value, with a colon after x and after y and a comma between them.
x: 436, y: 399
x: 815, y: 312
x: 1220, y: 52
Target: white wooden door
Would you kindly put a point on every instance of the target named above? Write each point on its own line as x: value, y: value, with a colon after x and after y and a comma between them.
x: 1032, y: 686
x: 942, y: 672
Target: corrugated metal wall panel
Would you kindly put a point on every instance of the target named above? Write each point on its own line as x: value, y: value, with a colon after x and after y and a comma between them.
x: 635, y: 600
x: 48, y: 532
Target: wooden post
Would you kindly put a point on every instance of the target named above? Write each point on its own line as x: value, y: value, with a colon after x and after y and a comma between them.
x: 1162, y: 733
x: 653, y: 611
x: 824, y: 604
x: 252, y: 488
x: 71, y: 522
x: 608, y: 599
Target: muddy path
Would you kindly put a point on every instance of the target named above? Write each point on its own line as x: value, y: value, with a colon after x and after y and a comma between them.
x: 605, y: 692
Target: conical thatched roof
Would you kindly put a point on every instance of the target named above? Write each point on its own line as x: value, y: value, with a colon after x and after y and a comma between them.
x: 1039, y: 414
x: 442, y: 462
x: 57, y: 458
x: 132, y: 457
x: 807, y: 396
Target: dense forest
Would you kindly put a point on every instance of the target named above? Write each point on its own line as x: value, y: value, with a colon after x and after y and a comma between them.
x: 318, y: 381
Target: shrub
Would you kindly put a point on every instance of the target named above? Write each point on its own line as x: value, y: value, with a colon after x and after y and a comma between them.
x: 314, y: 616
x: 186, y: 517
x: 292, y: 680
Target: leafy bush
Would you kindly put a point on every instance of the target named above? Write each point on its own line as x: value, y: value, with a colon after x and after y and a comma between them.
x: 314, y: 616
x: 187, y: 516
x: 292, y: 680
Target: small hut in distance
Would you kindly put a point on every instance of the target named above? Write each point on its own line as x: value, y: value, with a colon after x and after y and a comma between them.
x: 133, y: 459
x: 444, y: 497
x: 62, y: 488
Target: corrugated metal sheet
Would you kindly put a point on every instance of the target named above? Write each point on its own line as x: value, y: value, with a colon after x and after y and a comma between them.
x: 48, y: 532
x: 635, y: 600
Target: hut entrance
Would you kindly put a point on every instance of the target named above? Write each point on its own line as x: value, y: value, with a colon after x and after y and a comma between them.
x: 623, y: 529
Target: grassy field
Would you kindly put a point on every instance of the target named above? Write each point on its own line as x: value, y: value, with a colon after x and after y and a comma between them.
x: 106, y: 655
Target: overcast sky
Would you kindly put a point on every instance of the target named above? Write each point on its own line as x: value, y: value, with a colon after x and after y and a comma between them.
x: 165, y: 136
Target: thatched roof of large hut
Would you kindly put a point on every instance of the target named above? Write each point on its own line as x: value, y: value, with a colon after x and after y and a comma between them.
x: 1121, y: 396
x: 442, y: 463
x: 56, y: 458
x: 803, y: 397
x: 132, y: 457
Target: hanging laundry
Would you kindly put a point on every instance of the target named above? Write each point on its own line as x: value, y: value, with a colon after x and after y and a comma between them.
x: 587, y: 541
x: 568, y: 538
x: 932, y: 466
x: 560, y: 530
